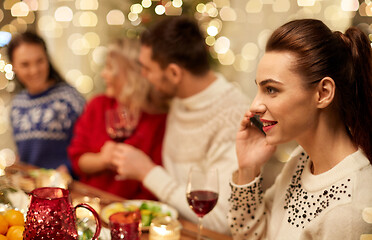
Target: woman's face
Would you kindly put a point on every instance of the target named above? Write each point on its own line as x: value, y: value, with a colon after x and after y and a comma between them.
x: 114, y: 81
x: 287, y: 109
x: 30, y: 63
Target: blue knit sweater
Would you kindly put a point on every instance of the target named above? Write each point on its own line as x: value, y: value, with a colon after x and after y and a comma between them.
x: 43, y: 124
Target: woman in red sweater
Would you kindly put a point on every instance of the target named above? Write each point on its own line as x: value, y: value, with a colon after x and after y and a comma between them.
x: 91, y: 148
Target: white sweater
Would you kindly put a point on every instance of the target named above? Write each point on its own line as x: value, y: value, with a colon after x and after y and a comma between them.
x: 333, y: 205
x: 200, y: 131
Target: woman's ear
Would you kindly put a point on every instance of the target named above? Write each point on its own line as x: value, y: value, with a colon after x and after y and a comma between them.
x: 174, y: 73
x: 325, y: 92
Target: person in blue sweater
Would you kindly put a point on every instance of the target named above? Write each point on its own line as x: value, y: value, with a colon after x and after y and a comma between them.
x: 44, y: 112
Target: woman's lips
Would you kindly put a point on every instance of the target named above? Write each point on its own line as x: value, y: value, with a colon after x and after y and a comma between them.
x: 267, y: 125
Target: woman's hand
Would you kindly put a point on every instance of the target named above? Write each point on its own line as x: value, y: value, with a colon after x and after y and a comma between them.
x: 106, y: 154
x: 131, y: 163
x: 252, y: 150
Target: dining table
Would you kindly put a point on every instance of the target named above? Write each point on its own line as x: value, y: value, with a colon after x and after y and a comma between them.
x: 79, y: 190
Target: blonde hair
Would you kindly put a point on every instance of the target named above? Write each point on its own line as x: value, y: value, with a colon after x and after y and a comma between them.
x: 123, y: 55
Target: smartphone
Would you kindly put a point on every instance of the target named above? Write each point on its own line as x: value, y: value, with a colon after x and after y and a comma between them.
x: 256, y: 122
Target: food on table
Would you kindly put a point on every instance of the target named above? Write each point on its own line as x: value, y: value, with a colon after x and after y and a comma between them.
x: 148, y: 209
x: 11, y: 225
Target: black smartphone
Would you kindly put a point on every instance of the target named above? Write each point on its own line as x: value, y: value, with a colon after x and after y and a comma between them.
x: 256, y: 122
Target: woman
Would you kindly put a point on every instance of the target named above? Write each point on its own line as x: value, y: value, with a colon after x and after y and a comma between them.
x: 314, y: 86
x: 44, y: 113
x: 92, y: 150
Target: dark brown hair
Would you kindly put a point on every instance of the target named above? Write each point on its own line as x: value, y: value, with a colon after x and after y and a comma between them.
x: 178, y: 40
x: 346, y: 58
x: 33, y: 38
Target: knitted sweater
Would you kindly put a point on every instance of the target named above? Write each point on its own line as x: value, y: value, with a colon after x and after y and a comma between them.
x: 90, y: 135
x: 332, y: 205
x: 43, y: 124
x: 201, y: 132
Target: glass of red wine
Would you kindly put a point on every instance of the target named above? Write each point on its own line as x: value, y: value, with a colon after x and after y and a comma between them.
x: 120, y: 123
x: 202, y: 193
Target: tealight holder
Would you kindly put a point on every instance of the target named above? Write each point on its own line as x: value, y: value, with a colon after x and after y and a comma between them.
x: 165, y: 228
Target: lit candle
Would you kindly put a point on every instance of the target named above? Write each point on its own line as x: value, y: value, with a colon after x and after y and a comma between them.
x: 165, y: 228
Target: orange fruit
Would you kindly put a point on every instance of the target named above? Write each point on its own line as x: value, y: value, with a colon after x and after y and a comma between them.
x: 14, y: 217
x: 3, y: 225
x: 15, y: 233
x: 2, y: 237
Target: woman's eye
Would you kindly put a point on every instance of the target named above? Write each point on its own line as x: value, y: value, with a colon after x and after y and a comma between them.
x: 271, y: 90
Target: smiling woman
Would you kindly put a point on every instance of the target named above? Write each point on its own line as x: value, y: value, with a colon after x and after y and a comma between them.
x: 329, y: 176
x: 44, y: 112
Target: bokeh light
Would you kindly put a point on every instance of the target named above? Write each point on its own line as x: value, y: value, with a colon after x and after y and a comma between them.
x: 115, y: 17
x: 160, y: 9
x: 63, y: 14
x: 222, y: 45
x: 20, y: 9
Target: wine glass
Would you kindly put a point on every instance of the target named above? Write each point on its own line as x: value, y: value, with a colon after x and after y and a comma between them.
x: 120, y: 123
x: 202, y: 192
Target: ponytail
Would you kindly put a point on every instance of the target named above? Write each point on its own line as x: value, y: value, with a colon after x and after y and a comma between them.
x: 358, y: 109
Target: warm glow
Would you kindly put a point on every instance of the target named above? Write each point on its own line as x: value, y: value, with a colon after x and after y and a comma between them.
x: 3, y: 82
x: 84, y: 84
x: 222, y: 45
x: 99, y: 55
x: 1, y: 15
x: 9, y: 75
x: 211, y: 10
x: 115, y: 17
x: 212, y: 30
x: 201, y: 8
x: 87, y: 4
x: 305, y: 3
x: 146, y: 3
x: 32, y: 4
x: 367, y: 215
x: 43, y: 5
x: 177, y: 3
x: 20, y: 24
x: 63, y: 14
x: 93, y: 39
x: 349, y: 5
x: 8, y: 156
x: 136, y: 8
x: 253, y: 6
x: 250, y: 51
x: 210, y: 40
x: 228, y: 14
x: 72, y: 75
x: 262, y: 38
x: 160, y: 9
x: 85, y: 19
x: 281, y: 6
x: 20, y: 9
x: 132, y: 16
x: 227, y: 58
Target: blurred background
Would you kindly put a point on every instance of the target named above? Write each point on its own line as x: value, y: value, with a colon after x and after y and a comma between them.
x: 78, y: 31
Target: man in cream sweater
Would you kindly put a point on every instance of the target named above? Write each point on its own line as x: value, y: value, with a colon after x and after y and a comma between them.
x: 202, y: 123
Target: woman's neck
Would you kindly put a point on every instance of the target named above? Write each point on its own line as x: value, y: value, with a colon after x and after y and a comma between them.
x: 327, y: 145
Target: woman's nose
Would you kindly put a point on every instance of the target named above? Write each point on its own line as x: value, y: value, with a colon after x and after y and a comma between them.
x: 258, y: 107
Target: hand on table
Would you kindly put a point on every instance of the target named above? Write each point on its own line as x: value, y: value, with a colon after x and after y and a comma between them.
x: 131, y: 163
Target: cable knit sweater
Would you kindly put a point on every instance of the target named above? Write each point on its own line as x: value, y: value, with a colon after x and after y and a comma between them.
x: 200, y: 131
x: 336, y: 204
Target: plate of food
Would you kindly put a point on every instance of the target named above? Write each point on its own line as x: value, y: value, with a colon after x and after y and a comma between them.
x: 149, y: 210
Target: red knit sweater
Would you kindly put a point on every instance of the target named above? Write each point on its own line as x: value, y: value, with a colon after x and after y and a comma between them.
x: 90, y: 135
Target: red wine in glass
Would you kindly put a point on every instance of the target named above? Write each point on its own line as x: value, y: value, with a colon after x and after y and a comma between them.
x: 120, y: 123
x: 202, y: 201
x: 202, y: 192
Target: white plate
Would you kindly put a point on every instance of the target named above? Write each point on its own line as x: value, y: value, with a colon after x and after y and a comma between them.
x: 112, y: 208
